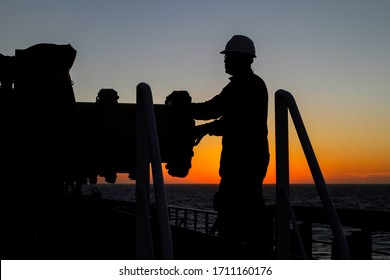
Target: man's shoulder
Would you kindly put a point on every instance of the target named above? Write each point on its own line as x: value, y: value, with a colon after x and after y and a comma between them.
x: 258, y: 82
x: 257, y: 78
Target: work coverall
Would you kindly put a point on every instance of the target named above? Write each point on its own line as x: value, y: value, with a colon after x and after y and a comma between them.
x: 240, y: 112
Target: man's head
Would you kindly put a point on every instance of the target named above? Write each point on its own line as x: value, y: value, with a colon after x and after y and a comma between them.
x: 237, y: 63
x: 239, y: 54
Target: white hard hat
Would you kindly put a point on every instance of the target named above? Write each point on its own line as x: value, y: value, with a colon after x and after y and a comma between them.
x: 240, y: 44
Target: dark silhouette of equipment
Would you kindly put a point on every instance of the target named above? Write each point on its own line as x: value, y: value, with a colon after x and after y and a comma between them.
x: 65, y: 142
x: 181, y: 126
x: 51, y: 143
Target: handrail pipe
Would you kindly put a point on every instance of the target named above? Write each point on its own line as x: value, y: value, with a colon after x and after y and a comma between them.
x: 148, y: 151
x: 284, y: 102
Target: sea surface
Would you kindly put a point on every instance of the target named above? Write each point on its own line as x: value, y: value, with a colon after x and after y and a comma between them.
x: 369, y: 197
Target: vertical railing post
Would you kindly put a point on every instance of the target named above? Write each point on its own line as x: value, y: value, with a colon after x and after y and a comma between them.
x: 307, y: 237
x: 322, y: 189
x: 144, y: 244
x: 207, y: 223
x: 185, y: 218
x: 195, y: 220
x: 285, y: 101
x: 282, y: 179
x: 148, y: 120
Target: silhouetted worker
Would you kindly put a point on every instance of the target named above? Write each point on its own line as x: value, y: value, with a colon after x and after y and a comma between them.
x: 240, y: 112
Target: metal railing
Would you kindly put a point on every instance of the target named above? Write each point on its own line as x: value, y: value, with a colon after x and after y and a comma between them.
x: 148, y: 152
x: 194, y: 219
x: 284, y: 103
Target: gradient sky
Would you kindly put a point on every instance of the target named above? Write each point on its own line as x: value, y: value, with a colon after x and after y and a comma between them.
x: 333, y: 56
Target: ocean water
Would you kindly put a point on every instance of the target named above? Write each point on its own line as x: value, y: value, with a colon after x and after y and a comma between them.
x: 369, y: 197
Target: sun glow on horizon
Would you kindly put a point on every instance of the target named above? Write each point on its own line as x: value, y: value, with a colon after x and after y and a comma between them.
x: 335, y: 169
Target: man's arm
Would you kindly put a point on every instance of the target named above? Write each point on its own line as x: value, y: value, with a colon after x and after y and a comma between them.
x: 211, y: 109
x: 214, y: 128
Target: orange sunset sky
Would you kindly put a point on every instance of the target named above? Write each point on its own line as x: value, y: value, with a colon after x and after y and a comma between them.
x: 333, y: 56
x: 338, y: 166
